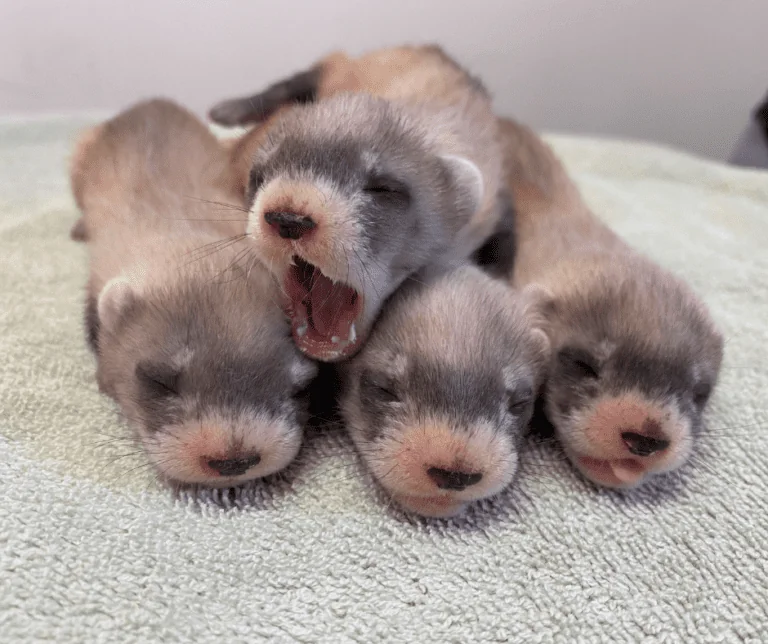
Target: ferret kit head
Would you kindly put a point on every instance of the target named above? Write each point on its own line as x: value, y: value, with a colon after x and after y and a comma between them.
x: 635, y: 359
x: 438, y: 399
x: 206, y: 373
x: 347, y: 198
x: 189, y: 337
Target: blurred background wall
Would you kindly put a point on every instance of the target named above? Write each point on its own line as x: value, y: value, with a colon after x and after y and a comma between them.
x: 681, y: 72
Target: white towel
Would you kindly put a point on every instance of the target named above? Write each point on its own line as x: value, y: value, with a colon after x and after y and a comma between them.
x: 92, y: 549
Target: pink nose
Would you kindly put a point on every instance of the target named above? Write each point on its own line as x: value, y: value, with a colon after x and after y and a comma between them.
x: 289, y: 225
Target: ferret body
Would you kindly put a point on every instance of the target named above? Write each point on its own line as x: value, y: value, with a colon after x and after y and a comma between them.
x: 438, y: 399
x: 393, y: 164
x: 189, y: 339
x: 635, y: 352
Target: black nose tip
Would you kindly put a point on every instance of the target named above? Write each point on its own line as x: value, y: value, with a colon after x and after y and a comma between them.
x: 643, y: 445
x: 449, y: 480
x: 289, y: 225
x: 234, y: 466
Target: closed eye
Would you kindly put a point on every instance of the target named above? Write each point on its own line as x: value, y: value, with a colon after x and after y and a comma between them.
x: 386, y: 186
x: 579, y: 362
x: 519, y: 401
x: 377, y: 187
x: 586, y: 369
x: 385, y: 394
x: 165, y: 386
x: 379, y: 389
x: 701, y: 394
x: 160, y: 379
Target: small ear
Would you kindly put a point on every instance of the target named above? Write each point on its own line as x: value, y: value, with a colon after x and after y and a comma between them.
x: 388, y: 362
x: 302, y: 371
x: 543, y: 343
x: 79, y: 231
x: 539, y: 303
x: 468, y: 181
x: 539, y: 306
x: 114, y: 300
x: 78, y: 166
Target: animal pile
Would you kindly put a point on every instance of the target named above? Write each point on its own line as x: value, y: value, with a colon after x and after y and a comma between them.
x: 380, y: 217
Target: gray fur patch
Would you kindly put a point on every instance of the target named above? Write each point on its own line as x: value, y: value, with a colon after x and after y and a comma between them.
x: 361, y: 144
x: 91, y: 320
x: 644, y: 333
x: 241, y: 357
x: 487, y: 361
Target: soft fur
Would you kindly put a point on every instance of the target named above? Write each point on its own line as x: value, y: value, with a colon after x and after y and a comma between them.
x: 185, y: 322
x: 93, y: 548
x: 407, y: 116
x: 626, y: 334
x: 447, y: 380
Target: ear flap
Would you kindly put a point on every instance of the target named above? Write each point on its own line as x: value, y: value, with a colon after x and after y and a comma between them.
x: 468, y: 183
x: 388, y: 361
x: 114, y: 300
x: 79, y: 231
x: 78, y: 166
x: 302, y: 371
x: 544, y: 343
x: 539, y: 306
x: 538, y: 302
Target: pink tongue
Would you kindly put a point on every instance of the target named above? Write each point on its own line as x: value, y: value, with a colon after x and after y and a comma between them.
x: 328, y: 303
x: 626, y: 474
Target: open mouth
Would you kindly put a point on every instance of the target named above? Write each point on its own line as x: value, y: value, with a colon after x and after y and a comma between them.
x: 323, y: 312
x: 622, y: 472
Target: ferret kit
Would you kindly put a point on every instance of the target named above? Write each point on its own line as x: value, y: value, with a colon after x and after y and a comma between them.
x: 385, y: 220
x: 188, y: 337
x: 393, y: 163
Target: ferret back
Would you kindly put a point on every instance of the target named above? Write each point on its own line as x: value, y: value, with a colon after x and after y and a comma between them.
x: 152, y: 158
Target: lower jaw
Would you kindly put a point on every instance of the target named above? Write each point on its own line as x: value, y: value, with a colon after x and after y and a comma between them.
x: 207, y: 479
x: 600, y: 472
x: 323, y: 350
x: 341, y: 336
x: 223, y: 485
x: 212, y: 483
x: 438, y: 507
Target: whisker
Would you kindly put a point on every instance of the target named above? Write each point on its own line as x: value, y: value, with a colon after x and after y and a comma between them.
x: 218, y: 247
x: 203, y: 219
x: 223, y: 204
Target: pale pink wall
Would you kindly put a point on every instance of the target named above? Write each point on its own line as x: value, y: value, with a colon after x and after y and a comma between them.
x: 684, y: 72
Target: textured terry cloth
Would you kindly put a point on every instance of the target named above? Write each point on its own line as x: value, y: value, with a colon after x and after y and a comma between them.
x: 92, y: 549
